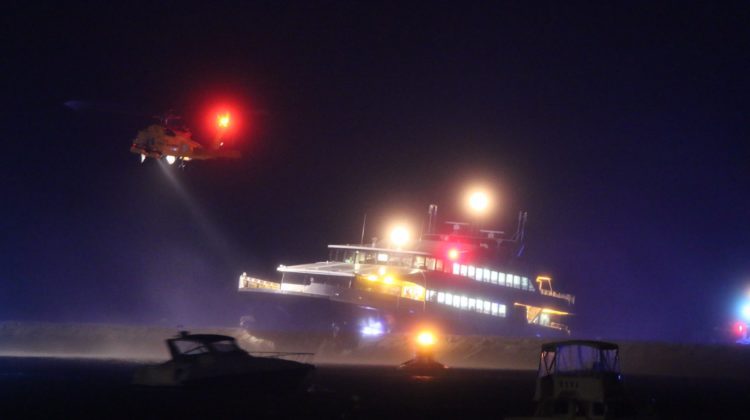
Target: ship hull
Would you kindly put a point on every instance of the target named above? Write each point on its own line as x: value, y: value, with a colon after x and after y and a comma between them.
x: 276, y: 315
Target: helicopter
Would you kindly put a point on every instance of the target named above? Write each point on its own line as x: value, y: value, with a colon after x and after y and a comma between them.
x: 171, y: 140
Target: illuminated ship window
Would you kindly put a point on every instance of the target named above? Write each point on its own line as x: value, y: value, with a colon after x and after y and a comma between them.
x: 439, y: 265
x: 456, y: 268
x: 430, y: 263
x: 486, y: 275
x: 501, y: 279
x: 419, y: 262
x: 402, y: 260
x: 524, y: 283
x: 471, y: 271
x: 517, y: 282
x: 493, y: 277
x: 383, y: 257
x: 431, y: 295
x: 480, y: 274
x: 466, y: 303
x: 463, y: 270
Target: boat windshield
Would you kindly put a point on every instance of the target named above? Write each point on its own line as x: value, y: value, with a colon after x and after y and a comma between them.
x: 579, y: 359
x: 225, y: 346
x: 190, y: 347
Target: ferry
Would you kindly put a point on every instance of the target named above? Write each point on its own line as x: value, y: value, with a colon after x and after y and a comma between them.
x: 462, y: 279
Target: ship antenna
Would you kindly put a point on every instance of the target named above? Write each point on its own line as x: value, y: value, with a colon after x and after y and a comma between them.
x: 517, y: 235
x: 432, y: 217
x: 364, y: 223
x: 521, y: 233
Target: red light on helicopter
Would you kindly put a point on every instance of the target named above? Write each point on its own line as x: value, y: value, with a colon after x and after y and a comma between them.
x: 223, y: 120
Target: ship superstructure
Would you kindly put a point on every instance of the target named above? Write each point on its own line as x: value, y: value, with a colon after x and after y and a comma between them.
x: 464, y: 280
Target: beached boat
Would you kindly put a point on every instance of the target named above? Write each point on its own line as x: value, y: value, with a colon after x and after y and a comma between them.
x: 580, y: 379
x: 211, y: 359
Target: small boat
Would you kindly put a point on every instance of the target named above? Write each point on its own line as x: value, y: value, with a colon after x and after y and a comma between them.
x: 580, y: 379
x: 424, y: 364
x: 212, y: 359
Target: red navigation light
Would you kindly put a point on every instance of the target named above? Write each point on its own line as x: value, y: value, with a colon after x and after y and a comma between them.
x: 739, y: 328
x: 453, y: 254
x: 223, y: 120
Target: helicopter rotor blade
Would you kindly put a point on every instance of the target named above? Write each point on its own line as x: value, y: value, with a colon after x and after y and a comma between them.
x: 106, y: 107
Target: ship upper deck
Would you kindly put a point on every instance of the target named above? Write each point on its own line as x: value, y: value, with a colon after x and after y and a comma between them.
x: 342, y: 269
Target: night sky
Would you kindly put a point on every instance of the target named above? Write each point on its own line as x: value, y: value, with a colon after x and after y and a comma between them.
x: 621, y: 128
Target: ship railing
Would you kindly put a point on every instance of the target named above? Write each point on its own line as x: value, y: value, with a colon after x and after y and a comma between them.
x: 571, y: 299
x: 560, y: 327
x: 247, y: 282
x: 294, y: 356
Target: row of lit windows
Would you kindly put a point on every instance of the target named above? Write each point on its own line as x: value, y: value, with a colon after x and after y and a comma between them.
x: 428, y: 263
x: 477, y: 273
x: 466, y: 303
x: 490, y: 276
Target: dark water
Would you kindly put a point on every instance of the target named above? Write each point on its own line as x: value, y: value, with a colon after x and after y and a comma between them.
x: 79, y: 388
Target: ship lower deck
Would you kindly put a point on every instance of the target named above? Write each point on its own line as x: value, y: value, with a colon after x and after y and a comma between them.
x: 271, y: 311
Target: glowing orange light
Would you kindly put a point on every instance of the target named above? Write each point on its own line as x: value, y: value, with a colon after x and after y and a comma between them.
x: 400, y: 235
x: 479, y: 201
x: 453, y: 254
x: 223, y: 120
x: 426, y: 339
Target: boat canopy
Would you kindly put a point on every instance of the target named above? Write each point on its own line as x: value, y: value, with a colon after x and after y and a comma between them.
x: 579, y: 357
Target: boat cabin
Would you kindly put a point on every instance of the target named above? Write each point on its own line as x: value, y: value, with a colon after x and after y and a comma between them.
x: 187, y: 345
x: 579, y: 378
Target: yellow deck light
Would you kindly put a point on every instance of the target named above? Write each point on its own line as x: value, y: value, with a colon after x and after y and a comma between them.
x: 426, y: 339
